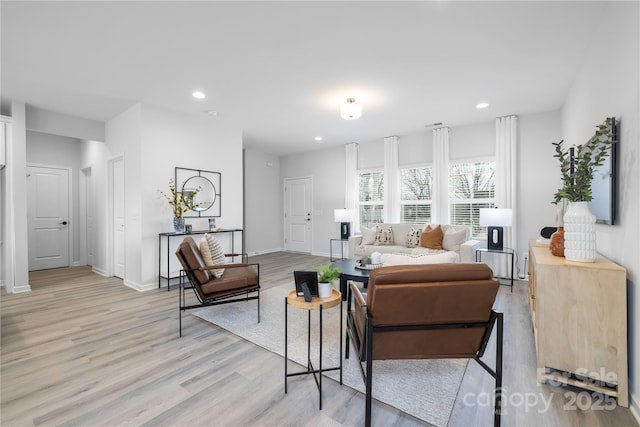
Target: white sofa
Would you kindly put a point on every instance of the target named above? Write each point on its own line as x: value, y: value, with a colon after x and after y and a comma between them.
x: 457, y: 238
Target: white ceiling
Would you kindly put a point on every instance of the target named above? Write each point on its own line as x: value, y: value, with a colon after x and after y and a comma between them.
x: 279, y: 70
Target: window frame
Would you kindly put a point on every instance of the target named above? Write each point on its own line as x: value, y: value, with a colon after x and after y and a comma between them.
x: 359, y: 203
x: 477, y: 231
x: 428, y: 202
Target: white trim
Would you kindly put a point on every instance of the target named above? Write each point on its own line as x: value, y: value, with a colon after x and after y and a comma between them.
x: 265, y: 251
x: 634, y: 407
x: 481, y: 159
x: 110, y: 231
x: 100, y: 271
x: 140, y: 287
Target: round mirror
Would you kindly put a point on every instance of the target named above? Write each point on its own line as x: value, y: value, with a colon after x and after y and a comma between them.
x: 199, y: 193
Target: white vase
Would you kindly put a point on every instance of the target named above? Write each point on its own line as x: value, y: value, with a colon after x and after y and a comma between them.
x: 579, y: 233
x: 324, y: 289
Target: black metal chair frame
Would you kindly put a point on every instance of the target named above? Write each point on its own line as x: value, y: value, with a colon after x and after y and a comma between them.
x: 223, y: 299
x: 365, y: 350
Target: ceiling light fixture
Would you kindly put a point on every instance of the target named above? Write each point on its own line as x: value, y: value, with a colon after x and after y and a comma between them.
x: 351, y: 110
x: 198, y: 95
x: 482, y: 105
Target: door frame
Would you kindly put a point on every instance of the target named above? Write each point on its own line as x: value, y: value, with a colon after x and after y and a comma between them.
x: 83, y: 200
x: 284, y: 209
x: 71, y: 234
x: 110, y: 231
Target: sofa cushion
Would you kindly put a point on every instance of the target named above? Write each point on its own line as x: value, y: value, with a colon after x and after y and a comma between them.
x: 212, y: 253
x: 454, y: 237
x: 401, y: 259
x: 384, y: 235
x: 431, y: 237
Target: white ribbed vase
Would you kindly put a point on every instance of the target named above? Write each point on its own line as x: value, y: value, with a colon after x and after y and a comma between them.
x: 579, y: 233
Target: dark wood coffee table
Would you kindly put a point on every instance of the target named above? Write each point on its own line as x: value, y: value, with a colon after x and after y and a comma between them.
x: 348, y: 271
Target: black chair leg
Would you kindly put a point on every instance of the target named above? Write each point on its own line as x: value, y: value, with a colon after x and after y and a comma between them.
x: 498, y: 392
x: 369, y: 379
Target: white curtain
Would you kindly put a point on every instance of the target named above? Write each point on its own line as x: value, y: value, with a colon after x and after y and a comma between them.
x: 505, y: 181
x: 440, y: 200
x: 351, y: 183
x: 391, y: 181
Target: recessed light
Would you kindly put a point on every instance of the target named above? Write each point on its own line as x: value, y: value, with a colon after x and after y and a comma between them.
x: 210, y: 113
x: 318, y: 138
x: 482, y: 105
x: 198, y: 95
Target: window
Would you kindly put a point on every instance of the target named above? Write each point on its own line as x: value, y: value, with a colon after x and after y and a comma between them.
x: 415, y: 195
x: 471, y: 187
x: 370, y: 197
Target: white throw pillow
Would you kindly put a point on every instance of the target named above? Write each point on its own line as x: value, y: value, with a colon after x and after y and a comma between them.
x: 454, y: 238
x: 368, y: 235
x: 212, y: 253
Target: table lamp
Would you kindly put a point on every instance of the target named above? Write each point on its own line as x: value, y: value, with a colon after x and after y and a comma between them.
x: 495, y: 219
x: 344, y: 217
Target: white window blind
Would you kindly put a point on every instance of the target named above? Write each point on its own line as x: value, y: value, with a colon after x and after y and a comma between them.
x: 370, y: 197
x: 471, y: 187
x: 415, y: 195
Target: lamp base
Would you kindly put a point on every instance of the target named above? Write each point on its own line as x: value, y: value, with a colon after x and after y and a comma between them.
x: 494, y: 238
x: 345, y: 230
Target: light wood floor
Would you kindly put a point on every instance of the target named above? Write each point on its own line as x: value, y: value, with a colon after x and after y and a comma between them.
x: 84, y: 350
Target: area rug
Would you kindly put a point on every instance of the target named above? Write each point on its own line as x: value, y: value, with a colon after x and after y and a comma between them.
x: 425, y: 389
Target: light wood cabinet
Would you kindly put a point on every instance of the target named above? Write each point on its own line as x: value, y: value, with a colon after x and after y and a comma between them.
x: 579, y: 316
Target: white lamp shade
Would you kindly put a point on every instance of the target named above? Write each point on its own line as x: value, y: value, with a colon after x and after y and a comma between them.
x: 351, y: 110
x: 343, y: 215
x: 495, y: 217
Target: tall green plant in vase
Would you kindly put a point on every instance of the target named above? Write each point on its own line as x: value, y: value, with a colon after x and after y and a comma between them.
x: 179, y: 205
x: 577, y: 168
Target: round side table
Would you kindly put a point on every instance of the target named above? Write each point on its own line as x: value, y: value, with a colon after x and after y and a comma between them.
x: 319, y: 304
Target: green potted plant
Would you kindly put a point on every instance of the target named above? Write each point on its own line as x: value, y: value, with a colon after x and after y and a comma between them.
x: 327, y: 277
x: 577, y: 168
x: 179, y: 205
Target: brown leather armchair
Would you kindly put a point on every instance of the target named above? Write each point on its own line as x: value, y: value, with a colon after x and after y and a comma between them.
x: 436, y: 311
x: 235, y: 285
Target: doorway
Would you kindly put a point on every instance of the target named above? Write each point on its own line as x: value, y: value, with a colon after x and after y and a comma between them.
x: 298, y: 221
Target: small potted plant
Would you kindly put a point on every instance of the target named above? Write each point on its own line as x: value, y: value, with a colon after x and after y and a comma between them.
x: 327, y: 278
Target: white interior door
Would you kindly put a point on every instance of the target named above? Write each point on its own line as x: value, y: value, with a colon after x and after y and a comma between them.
x: 118, y: 219
x: 297, y: 214
x: 48, y: 217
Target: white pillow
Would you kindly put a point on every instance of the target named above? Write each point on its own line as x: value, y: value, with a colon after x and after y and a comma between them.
x: 400, y: 259
x: 212, y: 253
x: 454, y: 238
x: 368, y: 235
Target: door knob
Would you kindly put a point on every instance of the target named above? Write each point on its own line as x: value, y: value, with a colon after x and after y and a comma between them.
x: 63, y: 223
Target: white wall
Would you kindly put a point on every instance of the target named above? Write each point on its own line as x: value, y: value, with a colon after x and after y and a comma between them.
x: 171, y: 139
x: 608, y: 85
x: 55, y: 123
x: 327, y: 168
x: 54, y: 150
x: 262, y: 202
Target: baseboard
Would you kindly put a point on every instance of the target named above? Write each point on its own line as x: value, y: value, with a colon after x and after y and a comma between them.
x: 75, y: 264
x: 265, y: 251
x: 18, y: 289
x: 634, y: 407
x: 324, y: 254
x: 99, y: 271
x: 140, y: 287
